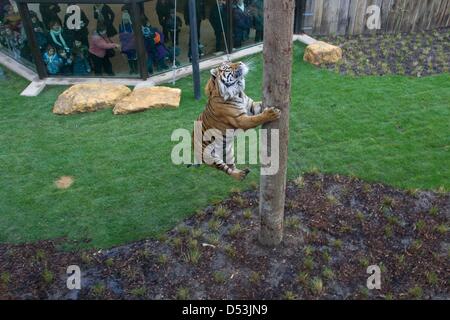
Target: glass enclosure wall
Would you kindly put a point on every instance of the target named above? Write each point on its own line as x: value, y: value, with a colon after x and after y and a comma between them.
x: 13, y: 40
x: 112, y: 40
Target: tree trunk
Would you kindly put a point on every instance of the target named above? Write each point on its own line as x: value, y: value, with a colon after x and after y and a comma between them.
x: 278, y: 51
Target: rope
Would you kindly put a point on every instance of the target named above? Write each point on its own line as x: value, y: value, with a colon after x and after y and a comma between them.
x: 223, y: 31
x: 174, y: 65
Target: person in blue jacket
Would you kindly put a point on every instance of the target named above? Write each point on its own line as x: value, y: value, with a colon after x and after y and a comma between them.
x: 53, y: 61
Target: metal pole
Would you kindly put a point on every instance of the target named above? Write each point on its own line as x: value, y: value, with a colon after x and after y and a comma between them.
x: 194, y: 48
x: 32, y: 42
x: 139, y: 39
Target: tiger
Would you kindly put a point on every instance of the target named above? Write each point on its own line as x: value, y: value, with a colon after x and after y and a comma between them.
x: 228, y: 109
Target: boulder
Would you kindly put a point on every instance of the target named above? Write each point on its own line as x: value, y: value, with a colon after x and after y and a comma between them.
x: 149, y: 98
x: 321, y: 52
x: 89, y: 97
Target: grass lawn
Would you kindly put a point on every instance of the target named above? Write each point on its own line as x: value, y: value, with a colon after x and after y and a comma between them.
x: 391, y: 129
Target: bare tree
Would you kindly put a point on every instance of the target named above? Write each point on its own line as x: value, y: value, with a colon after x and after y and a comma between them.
x: 278, y: 51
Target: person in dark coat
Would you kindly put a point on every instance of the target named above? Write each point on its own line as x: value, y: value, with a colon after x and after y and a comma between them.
x: 172, y: 29
x: 58, y: 38
x: 257, y: 12
x: 49, y: 13
x: 214, y: 19
x: 104, y: 15
x: 81, y: 34
x: 163, y: 8
x: 242, y: 21
x: 39, y: 31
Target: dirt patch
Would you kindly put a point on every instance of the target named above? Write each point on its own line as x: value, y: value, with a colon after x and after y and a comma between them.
x: 64, y: 182
x: 335, y: 228
x: 414, y: 54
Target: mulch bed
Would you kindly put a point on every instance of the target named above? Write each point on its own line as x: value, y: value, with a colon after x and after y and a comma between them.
x: 335, y: 228
x: 414, y: 54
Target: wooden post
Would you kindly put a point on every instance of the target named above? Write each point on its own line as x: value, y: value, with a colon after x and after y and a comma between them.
x: 278, y: 55
x: 194, y: 49
x: 136, y: 16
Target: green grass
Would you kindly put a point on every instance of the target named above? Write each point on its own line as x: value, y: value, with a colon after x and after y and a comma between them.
x: 390, y: 129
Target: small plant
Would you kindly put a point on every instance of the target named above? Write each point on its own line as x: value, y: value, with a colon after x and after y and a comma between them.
x: 389, y: 296
x: 388, y: 231
x: 416, y: 245
x: 442, y: 229
x: 177, y: 242
x: 413, y: 192
x: 326, y: 256
x: 163, y: 259
x: 235, y: 190
x: 247, y: 214
x: 239, y: 201
x: 254, y: 185
x: 235, y: 230
x: 192, y: 256
x: 230, y: 251
x: 221, y: 212
x: 401, y: 259
x: 183, y: 230
x: 255, y: 277
x: 162, y: 238
x: 192, y: 243
x: 86, y: 258
x: 214, y: 239
x: 219, y: 277
x: 387, y: 203
x: 138, y: 292
x: 364, y: 292
x: 367, y: 188
x: 432, y: 278
x: 214, y: 225
x: 415, y: 292
x: 5, y: 278
x: 40, y: 255
x: 434, y: 211
x: 291, y: 204
x: 328, y: 273
x: 337, y: 243
x: 303, y: 278
x: 345, y: 229
x: 316, y: 286
x: 98, y: 289
x: 332, y: 200
x: 47, y: 276
x: 196, y: 233
x: 109, y: 262
x: 420, y: 225
x: 299, y: 182
x: 360, y: 216
x: 308, y: 264
x: 308, y: 250
x: 393, y: 220
x: 183, y: 293
x: 289, y: 295
x: 364, y: 262
x: 200, y: 214
x: 292, y: 222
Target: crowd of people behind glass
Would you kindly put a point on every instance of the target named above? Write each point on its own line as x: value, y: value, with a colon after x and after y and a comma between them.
x: 79, y: 52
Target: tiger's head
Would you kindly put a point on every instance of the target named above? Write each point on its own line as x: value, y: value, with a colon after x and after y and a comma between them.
x: 227, y: 80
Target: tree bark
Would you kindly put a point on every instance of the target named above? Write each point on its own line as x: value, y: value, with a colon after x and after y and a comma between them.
x: 278, y: 51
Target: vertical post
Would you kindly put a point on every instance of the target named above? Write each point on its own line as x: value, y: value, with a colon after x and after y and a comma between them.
x: 194, y: 48
x: 278, y: 52
x: 299, y: 20
x: 229, y: 30
x: 136, y: 17
x: 31, y: 38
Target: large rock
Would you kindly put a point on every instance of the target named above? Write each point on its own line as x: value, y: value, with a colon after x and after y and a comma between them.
x: 89, y: 97
x: 321, y: 52
x: 149, y: 98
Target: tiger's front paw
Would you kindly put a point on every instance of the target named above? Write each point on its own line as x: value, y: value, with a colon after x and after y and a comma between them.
x: 240, y: 174
x: 272, y: 114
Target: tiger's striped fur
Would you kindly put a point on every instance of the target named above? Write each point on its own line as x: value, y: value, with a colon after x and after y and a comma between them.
x: 228, y: 109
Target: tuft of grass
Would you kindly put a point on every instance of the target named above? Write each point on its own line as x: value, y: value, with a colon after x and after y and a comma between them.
x: 388, y: 231
x: 98, y: 289
x: 432, y: 278
x: 109, y: 262
x: 434, y: 211
x: 360, y: 216
x: 316, y: 286
x: 387, y: 203
x: 183, y: 294
x: 303, y: 278
x: 196, y: 233
x: 289, y: 295
x: 214, y: 239
x: 86, y: 258
x: 5, y: 278
x: 332, y: 200
x: 255, y: 277
x: 192, y: 256
x: 400, y: 259
x: 48, y: 276
x: 299, y: 182
x: 221, y: 212
x: 326, y: 256
x: 308, y: 250
x: 416, y: 245
x: 364, y: 262
x: 177, y: 243
x: 239, y: 201
x: 442, y: 229
x: 40, y: 255
x: 247, y: 214
x: 230, y: 251
x: 183, y: 230
x: 139, y: 292
x: 328, y: 273
x: 235, y: 230
x: 308, y: 264
x: 219, y: 277
x: 292, y: 222
x: 420, y: 225
x: 163, y: 259
x: 337, y: 243
x: 214, y: 225
x: 415, y: 292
